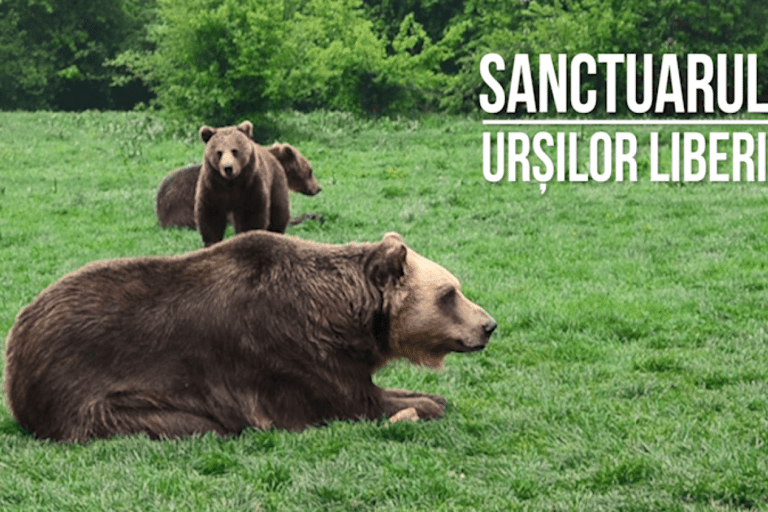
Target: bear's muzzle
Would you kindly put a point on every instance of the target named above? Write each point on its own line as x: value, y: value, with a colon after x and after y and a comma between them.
x: 475, y: 345
x: 490, y: 326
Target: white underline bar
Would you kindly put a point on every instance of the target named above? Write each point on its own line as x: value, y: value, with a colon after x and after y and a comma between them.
x: 587, y: 122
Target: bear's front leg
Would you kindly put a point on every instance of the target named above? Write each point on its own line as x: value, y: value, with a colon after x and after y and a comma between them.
x: 212, y: 223
x: 426, y: 405
x: 254, y: 213
x: 250, y: 220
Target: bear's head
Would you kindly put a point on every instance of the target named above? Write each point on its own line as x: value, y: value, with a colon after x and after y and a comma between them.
x: 228, y: 150
x: 429, y: 316
x: 298, y: 170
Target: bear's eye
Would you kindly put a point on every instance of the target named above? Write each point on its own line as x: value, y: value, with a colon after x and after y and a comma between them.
x: 234, y: 153
x: 218, y: 154
x: 448, y: 296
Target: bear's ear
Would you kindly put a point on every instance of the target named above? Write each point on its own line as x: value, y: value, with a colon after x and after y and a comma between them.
x: 206, y: 132
x: 285, y: 153
x: 247, y: 128
x: 394, y: 236
x: 387, y: 261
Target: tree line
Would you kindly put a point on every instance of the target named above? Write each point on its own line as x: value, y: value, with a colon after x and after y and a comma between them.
x: 217, y: 61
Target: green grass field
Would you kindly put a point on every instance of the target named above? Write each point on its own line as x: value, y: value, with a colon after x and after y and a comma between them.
x: 629, y: 371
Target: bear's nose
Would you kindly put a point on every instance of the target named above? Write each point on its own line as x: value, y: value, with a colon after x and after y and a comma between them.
x: 490, y: 326
x: 228, y: 170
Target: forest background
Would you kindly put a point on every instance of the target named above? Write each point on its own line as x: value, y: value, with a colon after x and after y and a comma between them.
x: 219, y: 61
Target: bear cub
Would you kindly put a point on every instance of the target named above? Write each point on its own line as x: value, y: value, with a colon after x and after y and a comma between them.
x: 175, y: 201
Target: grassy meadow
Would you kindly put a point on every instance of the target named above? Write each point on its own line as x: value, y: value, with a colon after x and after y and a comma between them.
x: 629, y: 370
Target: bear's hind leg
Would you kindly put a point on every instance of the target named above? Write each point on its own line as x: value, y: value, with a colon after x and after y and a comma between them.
x: 279, y: 215
x: 137, y: 414
x: 159, y: 424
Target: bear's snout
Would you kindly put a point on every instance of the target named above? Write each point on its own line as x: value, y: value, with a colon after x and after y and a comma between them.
x: 480, y: 343
x: 490, y: 326
x: 229, y: 169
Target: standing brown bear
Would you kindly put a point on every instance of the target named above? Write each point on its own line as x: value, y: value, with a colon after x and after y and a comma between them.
x: 262, y: 330
x: 175, y: 202
x: 239, y: 177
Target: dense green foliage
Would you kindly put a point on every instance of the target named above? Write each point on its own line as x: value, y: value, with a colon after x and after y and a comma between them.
x: 628, y: 372
x: 604, y: 26
x: 54, y: 53
x: 393, y: 57
x: 220, y: 60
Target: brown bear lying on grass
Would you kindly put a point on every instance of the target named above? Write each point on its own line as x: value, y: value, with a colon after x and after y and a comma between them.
x: 262, y: 330
x: 175, y: 202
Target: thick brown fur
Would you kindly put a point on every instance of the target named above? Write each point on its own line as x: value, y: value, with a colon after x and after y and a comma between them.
x: 261, y: 330
x: 175, y: 201
x: 242, y: 178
